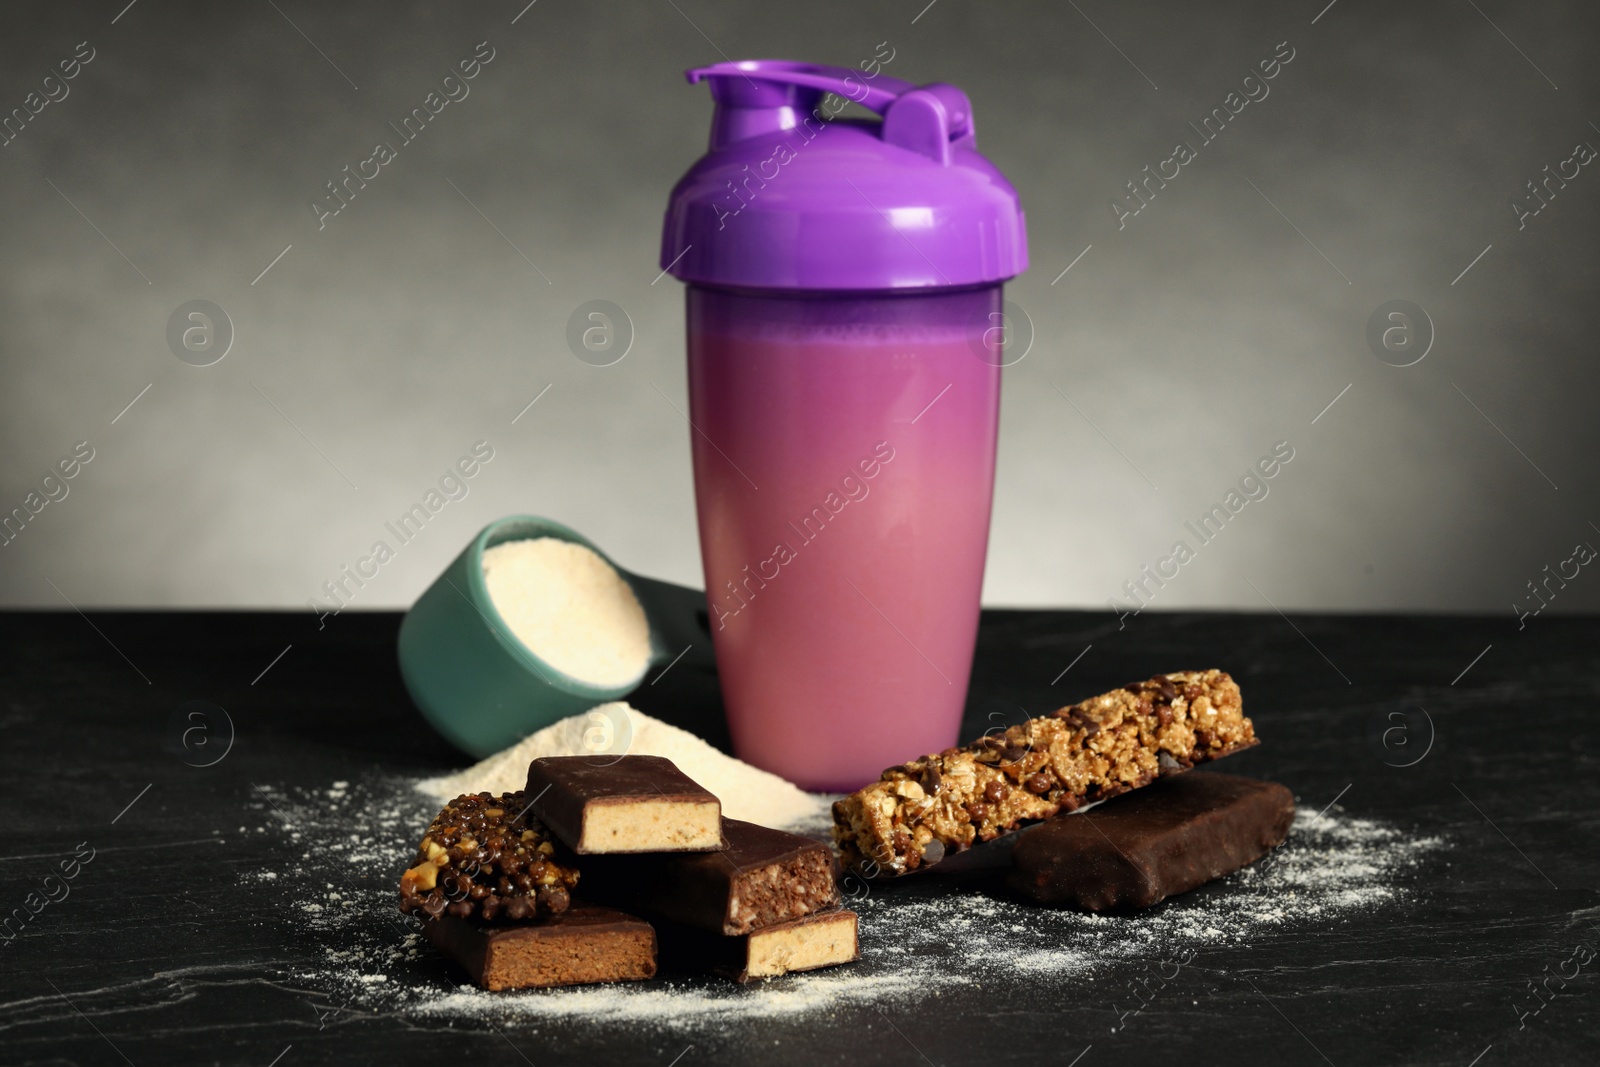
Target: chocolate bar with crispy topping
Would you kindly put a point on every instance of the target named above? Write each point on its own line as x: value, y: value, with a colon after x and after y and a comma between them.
x: 922, y: 811
x: 485, y: 857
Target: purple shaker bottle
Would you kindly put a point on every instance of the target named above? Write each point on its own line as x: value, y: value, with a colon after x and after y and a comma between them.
x: 844, y: 389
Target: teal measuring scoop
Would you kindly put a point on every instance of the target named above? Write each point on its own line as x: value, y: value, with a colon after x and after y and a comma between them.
x: 481, y: 687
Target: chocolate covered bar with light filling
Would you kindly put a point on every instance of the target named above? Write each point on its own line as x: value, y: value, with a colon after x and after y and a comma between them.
x: 763, y: 876
x: 824, y: 939
x: 940, y: 804
x: 1162, y: 840
x: 581, y: 945
x: 633, y: 804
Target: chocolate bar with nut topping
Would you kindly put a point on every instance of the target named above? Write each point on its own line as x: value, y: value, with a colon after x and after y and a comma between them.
x: 921, y: 811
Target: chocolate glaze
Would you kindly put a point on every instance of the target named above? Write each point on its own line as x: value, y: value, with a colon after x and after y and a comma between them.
x: 1167, y: 838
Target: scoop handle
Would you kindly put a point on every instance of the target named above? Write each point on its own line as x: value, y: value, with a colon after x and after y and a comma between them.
x: 677, y: 617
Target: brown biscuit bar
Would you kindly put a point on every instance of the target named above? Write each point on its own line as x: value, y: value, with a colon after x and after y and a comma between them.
x: 1137, y: 850
x: 825, y: 939
x: 633, y: 804
x: 763, y: 876
x: 924, y: 810
x: 583, y: 944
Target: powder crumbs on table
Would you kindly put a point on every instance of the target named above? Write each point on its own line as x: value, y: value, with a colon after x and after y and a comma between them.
x: 332, y: 890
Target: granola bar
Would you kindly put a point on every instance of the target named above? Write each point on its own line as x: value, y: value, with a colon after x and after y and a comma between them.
x: 921, y: 811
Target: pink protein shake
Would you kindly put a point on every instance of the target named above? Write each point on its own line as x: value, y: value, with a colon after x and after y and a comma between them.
x: 844, y: 467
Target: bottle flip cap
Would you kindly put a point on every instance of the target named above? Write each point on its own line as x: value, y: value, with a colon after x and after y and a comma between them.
x: 791, y: 197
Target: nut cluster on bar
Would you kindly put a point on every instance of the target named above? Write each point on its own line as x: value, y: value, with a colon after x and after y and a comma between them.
x: 485, y: 857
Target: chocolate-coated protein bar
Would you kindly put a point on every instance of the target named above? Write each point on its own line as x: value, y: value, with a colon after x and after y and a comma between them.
x: 634, y: 804
x: 762, y: 877
x: 1137, y: 850
x: 583, y: 944
x: 824, y: 939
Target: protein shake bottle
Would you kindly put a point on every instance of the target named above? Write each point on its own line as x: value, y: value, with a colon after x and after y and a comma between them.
x: 844, y: 332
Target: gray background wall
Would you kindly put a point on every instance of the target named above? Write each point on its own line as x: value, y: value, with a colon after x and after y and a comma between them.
x: 1216, y: 323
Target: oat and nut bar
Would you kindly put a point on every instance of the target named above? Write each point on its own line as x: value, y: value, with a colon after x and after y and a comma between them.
x: 924, y: 810
x: 1168, y: 838
x: 762, y: 877
x: 486, y: 857
x: 583, y: 944
x: 632, y: 804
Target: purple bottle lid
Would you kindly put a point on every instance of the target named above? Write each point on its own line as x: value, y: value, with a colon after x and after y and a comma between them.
x: 791, y: 197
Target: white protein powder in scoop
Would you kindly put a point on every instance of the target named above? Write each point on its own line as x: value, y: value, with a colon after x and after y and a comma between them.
x: 570, y: 608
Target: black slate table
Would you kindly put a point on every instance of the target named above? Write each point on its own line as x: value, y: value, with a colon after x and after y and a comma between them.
x: 162, y: 952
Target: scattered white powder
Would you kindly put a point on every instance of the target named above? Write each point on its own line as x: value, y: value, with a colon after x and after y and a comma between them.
x: 612, y: 730
x: 567, y: 605
x: 921, y: 939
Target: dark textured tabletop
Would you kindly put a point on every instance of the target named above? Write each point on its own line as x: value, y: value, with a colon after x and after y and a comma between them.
x: 157, y: 858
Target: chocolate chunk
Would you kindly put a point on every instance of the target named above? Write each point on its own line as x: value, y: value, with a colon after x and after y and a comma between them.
x: 822, y: 940
x: 762, y: 877
x: 583, y: 944
x: 636, y: 804
x: 1167, y: 838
